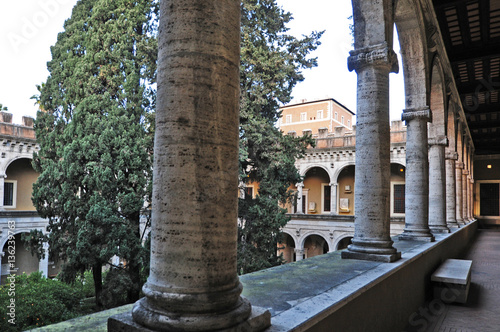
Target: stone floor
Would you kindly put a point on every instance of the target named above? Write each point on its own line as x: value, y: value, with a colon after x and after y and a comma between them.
x: 481, y: 313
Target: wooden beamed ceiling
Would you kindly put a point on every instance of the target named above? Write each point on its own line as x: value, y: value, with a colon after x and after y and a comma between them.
x: 471, y: 34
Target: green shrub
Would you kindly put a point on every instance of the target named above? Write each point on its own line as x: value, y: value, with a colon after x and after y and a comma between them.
x: 38, y: 302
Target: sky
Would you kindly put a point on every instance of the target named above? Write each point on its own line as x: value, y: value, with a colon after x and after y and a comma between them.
x: 29, y: 27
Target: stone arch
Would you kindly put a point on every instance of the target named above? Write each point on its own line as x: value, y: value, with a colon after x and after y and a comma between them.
x: 25, y: 261
x: 339, y: 170
x: 438, y: 125
x: 314, y: 244
x: 5, y: 165
x: 288, y: 244
x: 20, y: 173
x: 309, y: 167
x: 346, y: 191
x: 343, y: 241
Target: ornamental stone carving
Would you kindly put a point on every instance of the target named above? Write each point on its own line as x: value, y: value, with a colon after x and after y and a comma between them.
x: 378, y: 55
x: 417, y: 113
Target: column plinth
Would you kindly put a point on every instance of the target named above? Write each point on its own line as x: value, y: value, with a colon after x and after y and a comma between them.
x: 193, y: 284
x: 417, y: 176
x: 437, y: 185
x: 451, y: 198
x: 372, y: 178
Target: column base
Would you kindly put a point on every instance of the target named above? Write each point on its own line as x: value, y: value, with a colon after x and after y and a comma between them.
x: 410, y: 236
x: 439, y: 229
x: 386, y: 258
x: 259, y: 320
x: 452, y: 224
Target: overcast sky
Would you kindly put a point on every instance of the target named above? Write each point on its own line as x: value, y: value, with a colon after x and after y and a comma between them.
x: 29, y: 27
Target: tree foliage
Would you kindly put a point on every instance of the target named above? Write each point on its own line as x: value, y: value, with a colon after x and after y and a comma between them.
x: 3, y: 108
x: 271, y: 65
x: 94, y: 159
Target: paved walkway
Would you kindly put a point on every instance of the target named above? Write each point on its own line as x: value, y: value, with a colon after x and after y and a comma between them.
x: 481, y: 313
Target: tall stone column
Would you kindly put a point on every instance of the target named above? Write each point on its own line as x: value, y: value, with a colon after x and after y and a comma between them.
x: 372, y: 239
x: 437, y: 185
x: 459, y: 168
x: 471, y: 186
x: 193, y: 284
x: 2, y: 184
x: 451, y: 191
x: 300, y: 210
x: 43, y: 265
x: 465, y: 195
x: 333, y: 198
x: 417, y: 176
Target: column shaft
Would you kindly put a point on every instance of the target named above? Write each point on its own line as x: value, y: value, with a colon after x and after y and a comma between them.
x: 465, y: 196
x: 417, y: 176
x: 333, y: 198
x: 451, y: 198
x: 372, y: 179
x: 458, y: 168
x: 437, y: 185
x: 300, y: 210
x: 193, y: 284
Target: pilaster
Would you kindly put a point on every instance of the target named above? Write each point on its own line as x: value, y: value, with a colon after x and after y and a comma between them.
x: 417, y: 175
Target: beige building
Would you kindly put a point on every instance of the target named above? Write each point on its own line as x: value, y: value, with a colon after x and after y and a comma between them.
x: 17, y: 213
x: 315, y: 116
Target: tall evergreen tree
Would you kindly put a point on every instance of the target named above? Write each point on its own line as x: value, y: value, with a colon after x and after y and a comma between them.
x: 271, y: 65
x: 94, y: 159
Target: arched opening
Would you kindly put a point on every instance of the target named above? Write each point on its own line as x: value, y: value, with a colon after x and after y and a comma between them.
x: 343, y: 243
x: 18, y: 185
x: 317, y: 191
x: 24, y: 261
x: 315, y: 245
x: 345, y: 182
x: 287, y: 248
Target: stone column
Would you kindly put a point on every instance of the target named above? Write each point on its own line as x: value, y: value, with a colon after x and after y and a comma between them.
x: 458, y: 168
x: 299, y: 198
x: 465, y: 195
x: 193, y: 284
x: 43, y: 265
x: 2, y: 184
x: 417, y: 176
x: 472, y: 218
x: 333, y: 198
x: 437, y: 185
x: 451, y: 191
x: 299, y: 254
x: 372, y: 239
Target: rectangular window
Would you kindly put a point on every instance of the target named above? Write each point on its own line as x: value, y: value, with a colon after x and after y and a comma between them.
x: 489, y: 198
x: 288, y: 118
x: 303, y: 116
x: 320, y: 115
x: 399, y: 198
x: 336, y: 116
x: 327, y: 194
x: 248, y: 192
x: 9, y: 194
x: 342, y: 120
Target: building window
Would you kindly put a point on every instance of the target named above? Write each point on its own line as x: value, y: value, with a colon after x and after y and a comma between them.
x: 336, y: 116
x: 489, y: 199
x: 399, y: 198
x: 303, y: 116
x: 327, y: 194
x: 248, y: 192
x: 288, y: 118
x: 348, y: 123
x: 9, y: 194
x: 342, y: 120
x: 320, y: 115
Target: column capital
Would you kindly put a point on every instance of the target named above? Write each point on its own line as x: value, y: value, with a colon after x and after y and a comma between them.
x: 465, y: 172
x: 333, y: 184
x: 376, y: 55
x: 451, y: 155
x: 438, y: 140
x: 459, y: 165
x: 300, y: 185
x: 423, y: 113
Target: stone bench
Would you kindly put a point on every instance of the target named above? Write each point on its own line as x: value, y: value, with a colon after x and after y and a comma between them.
x: 452, y: 280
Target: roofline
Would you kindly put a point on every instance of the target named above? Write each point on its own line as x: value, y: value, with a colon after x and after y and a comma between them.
x: 318, y: 101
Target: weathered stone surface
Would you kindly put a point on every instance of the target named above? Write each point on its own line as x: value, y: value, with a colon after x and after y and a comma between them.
x: 437, y: 185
